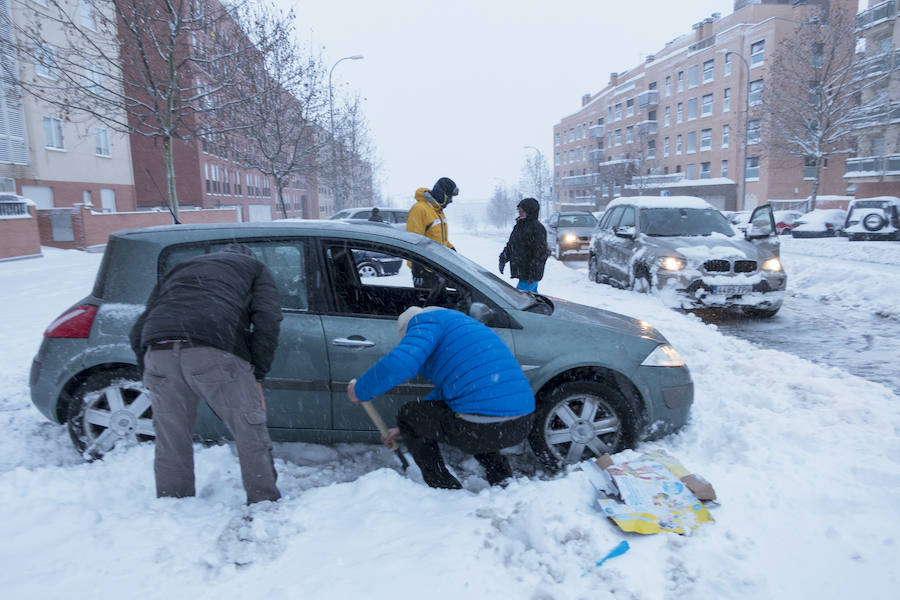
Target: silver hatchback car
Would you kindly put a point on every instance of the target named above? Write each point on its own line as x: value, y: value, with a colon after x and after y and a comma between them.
x: 683, y: 249
x: 602, y: 381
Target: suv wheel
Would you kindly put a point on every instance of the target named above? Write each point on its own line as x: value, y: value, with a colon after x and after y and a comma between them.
x: 108, y: 408
x: 593, y: 268
x: 368, y: 269
x: 579, y: 420
x: 874, y: 222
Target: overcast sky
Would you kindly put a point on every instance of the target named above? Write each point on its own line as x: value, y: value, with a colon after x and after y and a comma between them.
x: 457, y: 87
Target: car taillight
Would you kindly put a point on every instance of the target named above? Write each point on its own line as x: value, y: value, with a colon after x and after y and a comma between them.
x: 75, y: 323
x: 829, y: 226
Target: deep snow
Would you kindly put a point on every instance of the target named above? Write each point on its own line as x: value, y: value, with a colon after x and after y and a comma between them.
x: 805, y: 459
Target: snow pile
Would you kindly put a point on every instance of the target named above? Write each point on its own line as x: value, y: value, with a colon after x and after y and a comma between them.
x: 804, y: 459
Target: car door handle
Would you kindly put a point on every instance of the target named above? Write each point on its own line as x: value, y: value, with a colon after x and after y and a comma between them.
x: 348, y: 343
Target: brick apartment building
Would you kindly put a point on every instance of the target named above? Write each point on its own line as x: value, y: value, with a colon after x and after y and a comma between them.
x: 676, y: 123
x: 875, y: 170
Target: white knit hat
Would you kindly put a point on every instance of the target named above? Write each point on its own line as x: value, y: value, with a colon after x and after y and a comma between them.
x: 409, y: 313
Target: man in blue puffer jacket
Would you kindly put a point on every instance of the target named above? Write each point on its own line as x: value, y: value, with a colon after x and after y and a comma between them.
x: 481, y: 400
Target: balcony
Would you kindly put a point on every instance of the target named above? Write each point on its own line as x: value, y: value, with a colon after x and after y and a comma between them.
x: 873, y: 166
x: 597, y: 131
x: 13, y: 206
x: 875, y: 15
x: 648, y: 99
x: 645, y: 128
x: 876, y: 115
x: 870, y: 67
x: 588, y: 180
x: 598, y: 154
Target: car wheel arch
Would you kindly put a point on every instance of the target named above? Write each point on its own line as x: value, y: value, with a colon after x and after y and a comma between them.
x: 66, y: 394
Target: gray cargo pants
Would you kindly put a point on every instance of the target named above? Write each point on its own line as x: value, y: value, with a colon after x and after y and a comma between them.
x: 178, y: 378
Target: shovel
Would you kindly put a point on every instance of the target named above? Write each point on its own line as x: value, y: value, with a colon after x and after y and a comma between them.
x: 379, y: 423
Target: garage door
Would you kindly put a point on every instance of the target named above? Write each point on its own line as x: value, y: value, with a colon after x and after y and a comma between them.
x: 260, y: 212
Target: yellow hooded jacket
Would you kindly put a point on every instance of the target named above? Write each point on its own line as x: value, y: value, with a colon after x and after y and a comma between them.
x: 426, y: 218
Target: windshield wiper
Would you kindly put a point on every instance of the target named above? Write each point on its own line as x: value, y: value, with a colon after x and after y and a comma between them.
x: 541, y: 302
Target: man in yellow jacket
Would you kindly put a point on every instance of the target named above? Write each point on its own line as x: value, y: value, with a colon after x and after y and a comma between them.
x: 426, y: 217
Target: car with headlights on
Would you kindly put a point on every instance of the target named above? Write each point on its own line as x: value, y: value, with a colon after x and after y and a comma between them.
x: 820, y: 222
x: 687, y: 252
x: 873, y: 219
x: 603, y: 381
x: 570, y: 232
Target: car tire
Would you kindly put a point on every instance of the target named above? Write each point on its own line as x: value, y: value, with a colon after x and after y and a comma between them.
x: 368, y: 269
x: 107, y: 408
x: 581, y: 419
x: 761, y: 313
x: 593, y: 268
x: 874, y: 222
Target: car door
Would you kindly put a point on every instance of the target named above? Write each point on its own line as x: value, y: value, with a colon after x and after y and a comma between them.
x: 552, y: 224
x: 623, y: 246
x: 361, y: 325
x: 606, y: 245
x: 762, y: 232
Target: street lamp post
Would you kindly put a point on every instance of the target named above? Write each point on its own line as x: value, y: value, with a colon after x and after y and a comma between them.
x: 540, y: 178
x: 331, y: 116
x: 743, y: 205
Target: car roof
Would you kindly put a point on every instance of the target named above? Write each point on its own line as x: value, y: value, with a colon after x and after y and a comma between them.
x: 661, y: 202
x: 168, y: 234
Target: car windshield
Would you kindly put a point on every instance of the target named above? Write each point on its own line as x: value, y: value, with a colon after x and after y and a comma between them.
x: 673, y: 222
x: 577, y: 221
x: 344, y: 214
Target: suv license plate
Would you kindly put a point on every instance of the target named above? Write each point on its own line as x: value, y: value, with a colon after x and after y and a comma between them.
x: 732, y: 290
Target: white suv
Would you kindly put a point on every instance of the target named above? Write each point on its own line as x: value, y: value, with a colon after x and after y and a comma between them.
x: 394, y: 216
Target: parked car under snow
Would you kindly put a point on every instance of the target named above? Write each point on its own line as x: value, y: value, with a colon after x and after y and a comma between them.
x: 820, y: 222
x: 873, y: 219
x: 685, y: 250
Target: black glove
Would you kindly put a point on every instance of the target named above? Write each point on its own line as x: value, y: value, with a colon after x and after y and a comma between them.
x: 502, y: 264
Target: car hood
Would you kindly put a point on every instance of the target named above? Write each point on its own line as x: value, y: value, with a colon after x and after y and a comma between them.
x: 704, y: 247
x: 574, y: 313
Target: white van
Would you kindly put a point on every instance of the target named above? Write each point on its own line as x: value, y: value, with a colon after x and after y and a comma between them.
x: 394, y: 216
x: 873, y: 219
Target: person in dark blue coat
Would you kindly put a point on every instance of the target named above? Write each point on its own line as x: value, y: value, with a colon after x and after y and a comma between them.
x: 481, y: 400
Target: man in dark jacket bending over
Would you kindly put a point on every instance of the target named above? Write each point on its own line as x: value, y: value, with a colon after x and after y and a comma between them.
x: 481, y: 401
x: 209, y: 332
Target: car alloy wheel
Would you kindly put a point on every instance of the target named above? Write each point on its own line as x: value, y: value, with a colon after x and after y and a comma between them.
x: 580, y: 420
x: 367, y: 269
x: 109, y: 408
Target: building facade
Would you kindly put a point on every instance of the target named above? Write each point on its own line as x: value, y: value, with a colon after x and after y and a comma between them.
x: 687, y: 122
x: 875, y: 170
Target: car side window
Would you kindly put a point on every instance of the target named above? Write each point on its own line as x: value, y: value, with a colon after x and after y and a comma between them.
x: 286, y: 259
x: 363, y: 214
x: 614, y: 217
x: 554, y: 219
x: 399, y: 216
x: 604, y: 220
x: 627, y: 219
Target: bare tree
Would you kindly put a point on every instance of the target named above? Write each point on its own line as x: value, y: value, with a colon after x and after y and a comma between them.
x: 286, y: 94
x: 501, y: 207
x: 812, y: 113
x: 353, y: 162
x: 536, y: 178
x: 163, y: 69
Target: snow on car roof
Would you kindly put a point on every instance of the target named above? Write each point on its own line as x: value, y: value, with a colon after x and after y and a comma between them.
x: 661, y: 202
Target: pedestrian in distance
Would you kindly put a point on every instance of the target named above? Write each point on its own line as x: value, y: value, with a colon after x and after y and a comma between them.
x: 526, y: 251
x: 376, y: 215
x: 481, y: 402
x: 426, y: 217
x: 209, y: 332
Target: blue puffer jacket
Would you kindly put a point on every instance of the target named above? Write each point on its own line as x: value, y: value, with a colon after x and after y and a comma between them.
x: 471, y: 368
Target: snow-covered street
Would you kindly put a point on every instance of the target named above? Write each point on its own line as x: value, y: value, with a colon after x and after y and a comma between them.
x: 805, y: 459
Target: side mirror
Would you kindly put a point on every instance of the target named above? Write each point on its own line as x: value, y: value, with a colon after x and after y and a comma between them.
x: 626, y: 231
x: 481, y: 312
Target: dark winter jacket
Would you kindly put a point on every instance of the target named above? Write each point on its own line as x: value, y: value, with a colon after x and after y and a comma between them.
x: 526, y: 250
x: 471, y: 368
x: 226, y: 300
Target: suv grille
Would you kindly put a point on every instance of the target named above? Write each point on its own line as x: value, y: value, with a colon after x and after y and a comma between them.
x: 724, y: 266
x: 744, y: 266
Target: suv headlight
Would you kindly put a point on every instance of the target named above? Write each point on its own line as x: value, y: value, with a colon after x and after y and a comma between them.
x: 569, y: 238
x: 671, y: 263
x: 663, y: 355
x: 771, y: 264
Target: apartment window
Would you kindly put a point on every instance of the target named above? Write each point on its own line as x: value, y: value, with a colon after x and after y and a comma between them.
x: 206, y: 178
x: 44, y: 61
x: 726, y: 100
x: 609, y: 111
x: 691, y: 142
x: 724, y: 168
x: 668, y: 116
x: 629, y: 134
x: 651, y: 86
x: 878, y: 146
x: 727, y: 63
x: 725, y: 132
x: 665, y: 146
x: 680, y: 80
x: 618, y: 111
x: 690, y: 171
x: 668, y: 85
x: 651, y: 148
x: 753, y: 131
x: 705, y: 170
x: 618, y: 137
x: 706, y: 107
x: 757, y: 53
x: 756, y: 91
x: 629, y: 107
x: 572, y: 155
x: 692, y: 109
x: 679, y: 113
x: 572, y: 134
x: 53, y: 133
x: 678, y: 168
x: 578, y: 154
x: 86, y: 13
x: 693, y: 76
x: 101, y: 141
x: 678, y: 144
x: 708, y: 70
x: 94, y: 75
x: 578, y: 132
x: 557, y: 138
x: 557, y: 158
x: 706, y: 139
x: 751, y: 171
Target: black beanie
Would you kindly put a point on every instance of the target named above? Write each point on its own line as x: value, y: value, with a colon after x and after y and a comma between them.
x: 530, y: 206
x: 444, y: 190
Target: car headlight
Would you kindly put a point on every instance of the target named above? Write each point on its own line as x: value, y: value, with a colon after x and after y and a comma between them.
x: 569, y: 238
x: 671, y: 263
x: 772, y: 264
x: 663, y: 355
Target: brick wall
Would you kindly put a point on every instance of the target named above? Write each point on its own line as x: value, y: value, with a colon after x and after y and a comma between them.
x: 19, y: 236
